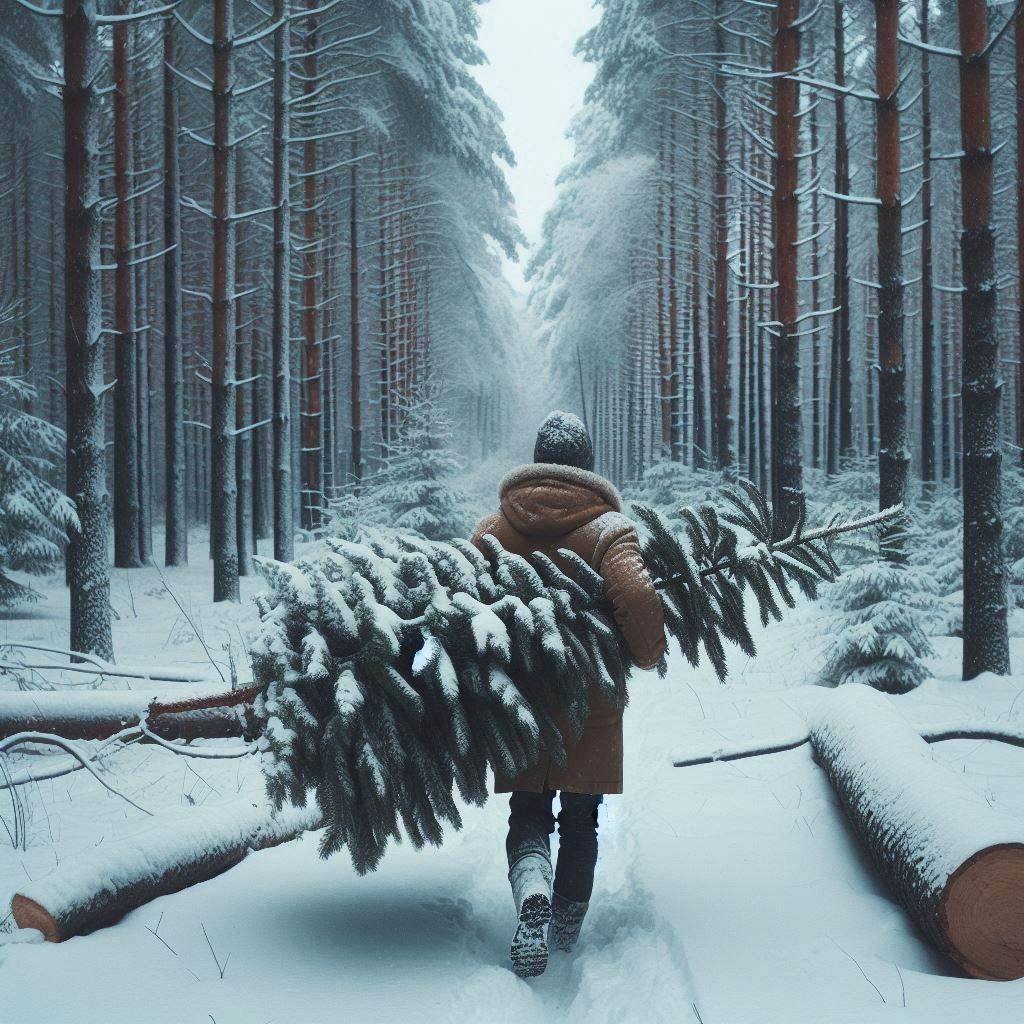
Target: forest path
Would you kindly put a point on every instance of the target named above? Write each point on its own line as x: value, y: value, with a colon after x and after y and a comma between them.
x: 732, y: 891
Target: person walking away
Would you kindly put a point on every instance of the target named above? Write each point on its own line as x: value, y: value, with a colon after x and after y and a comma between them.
x: 559, y: 502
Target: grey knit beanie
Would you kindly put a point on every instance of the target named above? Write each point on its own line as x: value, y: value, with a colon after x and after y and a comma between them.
x: 563, y: 441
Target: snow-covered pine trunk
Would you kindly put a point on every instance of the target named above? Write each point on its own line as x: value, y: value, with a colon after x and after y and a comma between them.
x: 928, y: 459
x: 222, y: 434
x: 675, y: 374
x: 986, y: 646
x: 893, y: 456
x: 840, y: 407
x: 244, y: 370
x: 126, y: 432
x: 787, y: 440
x: 955, y: 863
x: 175, y: 513
x: 356, y: 397
x: 174, y: 853
x: 724, y: 454
x: 144, y: 318
x: 284, y: 531
x: 88, y: 576
x: 1019, y: 87
x: 312, y: 369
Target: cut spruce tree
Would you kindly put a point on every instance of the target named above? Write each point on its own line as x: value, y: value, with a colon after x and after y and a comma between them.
x: 388, y: 670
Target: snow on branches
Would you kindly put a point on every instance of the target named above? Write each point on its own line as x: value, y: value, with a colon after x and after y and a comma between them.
x: 34, y: 515
x: 395, y: 671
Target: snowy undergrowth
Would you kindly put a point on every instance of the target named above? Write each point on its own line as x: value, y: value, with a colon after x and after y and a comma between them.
x: 730, y: 890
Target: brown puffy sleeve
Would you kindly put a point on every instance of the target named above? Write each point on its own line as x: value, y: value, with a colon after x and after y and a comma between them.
x: 636, y: 603
x: 485, y: 526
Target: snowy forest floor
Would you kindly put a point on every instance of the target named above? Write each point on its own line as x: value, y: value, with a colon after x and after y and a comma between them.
x: 726, y: 893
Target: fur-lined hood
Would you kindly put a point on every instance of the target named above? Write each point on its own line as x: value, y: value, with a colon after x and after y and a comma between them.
x: 544, y: 500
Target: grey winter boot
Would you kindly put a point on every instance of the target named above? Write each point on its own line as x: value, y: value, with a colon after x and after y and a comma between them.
x: 530, y: 878
x: 566, y: 922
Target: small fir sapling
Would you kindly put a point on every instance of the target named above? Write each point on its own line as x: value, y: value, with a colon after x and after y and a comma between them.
x: 416, y: 488
x: 882, y: 614
x: 34, y: 515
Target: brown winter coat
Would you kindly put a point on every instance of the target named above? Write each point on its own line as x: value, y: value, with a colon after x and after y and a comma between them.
x: 544, y: 508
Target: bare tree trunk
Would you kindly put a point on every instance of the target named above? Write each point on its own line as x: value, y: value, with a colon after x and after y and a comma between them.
x: 675, y: 377
x: 893, y: 457
x: 284, y: 531
x: 223, y: 391
x: 816, y: 398
x: 175, y: 513
x: 244, y: 370
x: 840, y: 412
x: 88, y: 576
x: 312, y: 371
x: 354, y: 325
x: 986, y: 646
x: 142, y: 345
x: 725, y: 457
x: 928, y: 461
x: 1019, y: 63
x: 126, y: 426
x: 786, y: 419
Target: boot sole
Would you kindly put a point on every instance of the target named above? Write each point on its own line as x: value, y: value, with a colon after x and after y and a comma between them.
x: 530, y: 944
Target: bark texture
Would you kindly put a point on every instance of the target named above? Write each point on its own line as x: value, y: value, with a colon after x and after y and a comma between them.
x: 986, y: 644
x: 88, y: 576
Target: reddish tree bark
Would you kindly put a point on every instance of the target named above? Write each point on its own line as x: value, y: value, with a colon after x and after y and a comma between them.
x: 986, y: 646
x: 88, y: 576
x: 786, y: 419
x: 127, y: 524
x: 893, y: 456
x: 224, y: 488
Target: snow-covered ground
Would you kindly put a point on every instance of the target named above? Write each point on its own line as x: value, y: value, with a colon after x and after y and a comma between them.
x: 726, y: 893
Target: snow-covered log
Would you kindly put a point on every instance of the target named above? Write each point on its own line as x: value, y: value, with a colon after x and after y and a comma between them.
x: 99, y: 714
x: 955, y: 863
x: 173, y: 854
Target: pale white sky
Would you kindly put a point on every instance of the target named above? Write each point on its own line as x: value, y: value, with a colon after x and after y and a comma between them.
x: 539, y: 84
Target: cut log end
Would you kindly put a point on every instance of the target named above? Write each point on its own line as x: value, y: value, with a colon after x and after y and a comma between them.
x: 982, y: 913
x: 29, y: 914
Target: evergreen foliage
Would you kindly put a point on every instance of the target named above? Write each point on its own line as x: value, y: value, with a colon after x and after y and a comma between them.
x: 883, y: 610
x: 415, y: 489
x: 395, y: 671
x: 34, y: 515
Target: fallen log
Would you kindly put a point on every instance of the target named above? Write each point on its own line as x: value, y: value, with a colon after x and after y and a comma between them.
x: 100, y: 714
x: 180, y: 851
x: 955, y: 863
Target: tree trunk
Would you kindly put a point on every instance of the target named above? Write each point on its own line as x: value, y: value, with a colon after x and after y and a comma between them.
x: 840, y: 412
x: 175, y: 513
x: 725, y: 457
x: 928, y: 460
x: 816, y: 402
x: 224, y: 497
x: 1019, y: 62
x: 284, y: 531
x: 126, y: 426
x: 986, y: 647
x: 786, y: 419
x: 893, y: 457
x: 88, y: 576
x: 312, y: 372
x: 169, y: 856
x: 354, y: 325
x: 955, y: 864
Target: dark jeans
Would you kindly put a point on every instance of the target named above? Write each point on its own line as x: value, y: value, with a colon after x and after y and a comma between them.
x: 531, y: 823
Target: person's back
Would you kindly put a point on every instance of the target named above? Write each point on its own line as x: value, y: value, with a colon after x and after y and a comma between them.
x: 558, y: 502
